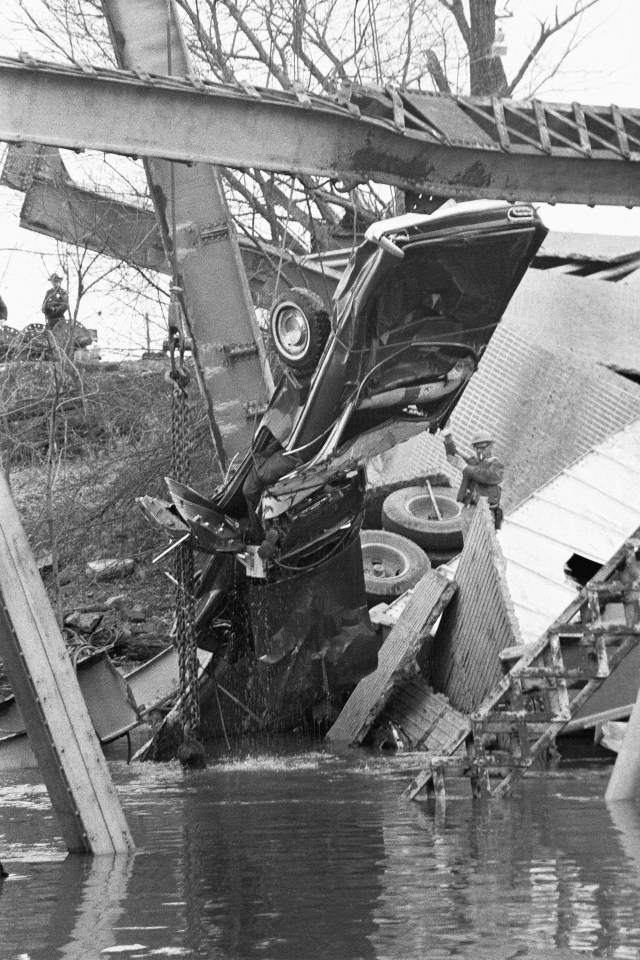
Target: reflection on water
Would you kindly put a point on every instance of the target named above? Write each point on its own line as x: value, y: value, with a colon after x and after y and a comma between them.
x: 313, y: 856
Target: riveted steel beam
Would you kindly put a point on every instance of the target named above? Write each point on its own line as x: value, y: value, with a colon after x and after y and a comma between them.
x: 147, y: 38
x: 66, y: 212
x: 180, y: 120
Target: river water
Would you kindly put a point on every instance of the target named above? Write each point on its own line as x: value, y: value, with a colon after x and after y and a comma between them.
x: 305, y: 854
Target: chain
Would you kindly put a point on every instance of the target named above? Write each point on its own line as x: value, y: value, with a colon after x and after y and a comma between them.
x: 184, y: 565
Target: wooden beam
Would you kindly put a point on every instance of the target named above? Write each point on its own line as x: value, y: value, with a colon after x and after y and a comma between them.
x: 43, y: 681
x: 396, y: 656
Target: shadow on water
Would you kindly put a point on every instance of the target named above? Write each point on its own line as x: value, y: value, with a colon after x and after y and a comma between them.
x: 305, y: 855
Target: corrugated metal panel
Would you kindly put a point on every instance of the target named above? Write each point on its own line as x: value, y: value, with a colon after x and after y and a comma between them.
x: 588, y: 246
x: 596, y: 320
x: 587, y: 501
x: 546, y: 408
x: 620, y: 485
x: 463, y: 662
x: 582, y: 535
x: 589, y: 509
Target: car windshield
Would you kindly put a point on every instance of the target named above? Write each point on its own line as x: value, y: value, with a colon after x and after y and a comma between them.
x: 448, y: 291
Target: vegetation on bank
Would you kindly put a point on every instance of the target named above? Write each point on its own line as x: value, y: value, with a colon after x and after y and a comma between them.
x: 78, y: 448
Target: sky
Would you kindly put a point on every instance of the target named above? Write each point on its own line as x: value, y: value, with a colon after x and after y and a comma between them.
x: 603, y: 68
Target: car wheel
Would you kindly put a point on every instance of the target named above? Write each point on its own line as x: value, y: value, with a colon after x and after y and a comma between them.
x: 392, y: 564
x: 299, y: 327
x: 410, y: 512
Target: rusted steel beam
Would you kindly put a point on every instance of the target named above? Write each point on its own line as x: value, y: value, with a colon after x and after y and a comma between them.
x: 129, y: 233
x: 76, y: 216
x: 181, y: 120
x: 190, y: 200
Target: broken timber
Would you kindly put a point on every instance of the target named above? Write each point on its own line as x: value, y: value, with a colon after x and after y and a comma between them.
x: 53, y: 709
x: 424, y: 719
x: 539, y: 695
x: 396, y: 657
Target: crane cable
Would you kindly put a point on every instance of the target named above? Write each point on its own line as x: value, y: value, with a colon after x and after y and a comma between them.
x: 181, y: 441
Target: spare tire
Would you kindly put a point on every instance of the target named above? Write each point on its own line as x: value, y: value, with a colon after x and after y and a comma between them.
x: 392, y: 564
x: 410, y: 513
x: 299, y: 327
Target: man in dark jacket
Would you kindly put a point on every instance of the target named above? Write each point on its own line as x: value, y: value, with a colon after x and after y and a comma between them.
x: 482, y: 475
x: 4, y: 313
x: 55, y: 303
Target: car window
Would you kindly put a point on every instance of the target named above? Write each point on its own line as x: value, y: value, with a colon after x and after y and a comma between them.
x: 459, y: 288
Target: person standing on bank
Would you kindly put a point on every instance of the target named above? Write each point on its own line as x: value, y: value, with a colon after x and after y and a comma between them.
x: 482, y: 476
x: 55, y: 303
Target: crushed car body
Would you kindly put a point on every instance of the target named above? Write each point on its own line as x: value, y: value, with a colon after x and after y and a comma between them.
x: 410, y: 319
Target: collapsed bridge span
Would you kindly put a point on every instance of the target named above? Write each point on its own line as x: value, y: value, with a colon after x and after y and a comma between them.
x: 450, y: 146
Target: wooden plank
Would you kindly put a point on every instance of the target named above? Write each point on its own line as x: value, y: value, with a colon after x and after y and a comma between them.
x: 46, y: 689
x: 429, y: 598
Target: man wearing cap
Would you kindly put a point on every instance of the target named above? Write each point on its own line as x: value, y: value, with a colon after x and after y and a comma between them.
x: 482, y: 475
x: 56, y: 302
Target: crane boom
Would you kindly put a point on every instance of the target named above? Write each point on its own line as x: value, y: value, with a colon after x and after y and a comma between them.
x: 452, y: 146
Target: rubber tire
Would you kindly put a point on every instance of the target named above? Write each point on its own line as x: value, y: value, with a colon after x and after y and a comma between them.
x: 443, y: 536
x: 318, y: 322
x: 416, y: 564
x: 438, y: 557
x: 376, y: 496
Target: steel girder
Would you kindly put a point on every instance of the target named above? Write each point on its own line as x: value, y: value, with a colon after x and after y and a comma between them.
x: 448, y: 146
x: 58, y: 208
x: 146, y: 36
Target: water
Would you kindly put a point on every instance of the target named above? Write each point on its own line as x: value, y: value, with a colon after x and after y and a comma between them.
x: 309, y: 855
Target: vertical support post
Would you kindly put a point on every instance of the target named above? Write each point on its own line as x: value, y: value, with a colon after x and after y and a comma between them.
x: 597, y: 636
x: 215, y: 295
x: 46, y: 689
x: 624, y: 783
x: 561, y: 705
x: 476, y: 757
x: 521, y: 730
x: 437, y: 772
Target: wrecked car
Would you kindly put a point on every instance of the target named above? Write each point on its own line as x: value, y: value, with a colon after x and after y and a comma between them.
x: 410, y: 319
